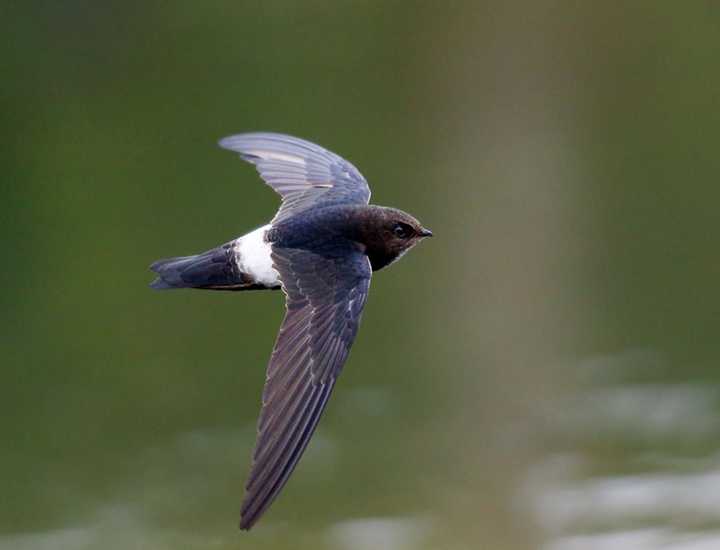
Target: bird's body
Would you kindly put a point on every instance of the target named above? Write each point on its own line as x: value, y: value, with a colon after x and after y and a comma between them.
x: 320, y: 248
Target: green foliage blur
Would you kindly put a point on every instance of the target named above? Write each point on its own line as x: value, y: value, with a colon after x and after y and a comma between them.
x: 564, y: 154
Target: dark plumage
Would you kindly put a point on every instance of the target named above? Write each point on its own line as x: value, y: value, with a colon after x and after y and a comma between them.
x: 215, y: 269
x: 321, y: 248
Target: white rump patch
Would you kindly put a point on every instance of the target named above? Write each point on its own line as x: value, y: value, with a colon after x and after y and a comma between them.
x: 252, y: 254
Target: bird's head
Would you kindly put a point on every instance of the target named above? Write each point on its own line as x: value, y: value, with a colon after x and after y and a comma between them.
x: 394, y: 232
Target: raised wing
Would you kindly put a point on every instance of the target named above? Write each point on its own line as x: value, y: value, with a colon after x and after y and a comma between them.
x: 325, y: 298
x: 302, y: 173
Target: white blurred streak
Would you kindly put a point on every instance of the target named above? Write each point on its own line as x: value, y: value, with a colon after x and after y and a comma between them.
x: 650, y: 411
x: 635, y: 499
x: 676, y: 496
x: 378, y: 534
x: 644, y: 539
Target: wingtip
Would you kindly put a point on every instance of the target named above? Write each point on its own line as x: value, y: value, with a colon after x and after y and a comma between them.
x: 246, y: 523
x: 225, y: 142
x: 236, y: 143
x: 249, y: 517
x: 230, y: 142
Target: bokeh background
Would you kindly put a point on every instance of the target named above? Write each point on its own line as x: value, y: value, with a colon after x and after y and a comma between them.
x: 541, y: 374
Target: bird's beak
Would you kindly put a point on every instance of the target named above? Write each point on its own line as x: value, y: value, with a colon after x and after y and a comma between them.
x: 424, y: 232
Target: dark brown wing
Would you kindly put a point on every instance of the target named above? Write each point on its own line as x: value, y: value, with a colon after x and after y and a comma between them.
x: 325, y: 298
x: 302, y: 173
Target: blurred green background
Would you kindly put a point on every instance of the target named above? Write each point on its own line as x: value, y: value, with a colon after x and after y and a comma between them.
x: 541, y: 374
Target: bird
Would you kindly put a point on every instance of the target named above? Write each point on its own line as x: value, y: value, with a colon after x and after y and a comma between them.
x: 320, y: 249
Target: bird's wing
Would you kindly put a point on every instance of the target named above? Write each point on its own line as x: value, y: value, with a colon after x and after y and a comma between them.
x: 302, y: 173
x: 325, y: 297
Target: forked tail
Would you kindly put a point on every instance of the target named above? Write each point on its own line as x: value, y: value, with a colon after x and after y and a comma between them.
x: 215, y: 269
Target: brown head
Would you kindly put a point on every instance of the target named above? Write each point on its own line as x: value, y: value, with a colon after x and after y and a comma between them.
x: 388, y: 233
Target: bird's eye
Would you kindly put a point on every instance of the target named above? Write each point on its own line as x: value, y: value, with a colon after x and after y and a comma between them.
x: 401, y: 231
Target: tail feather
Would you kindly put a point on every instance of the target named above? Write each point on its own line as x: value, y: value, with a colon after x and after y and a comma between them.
x: 215, y: 269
